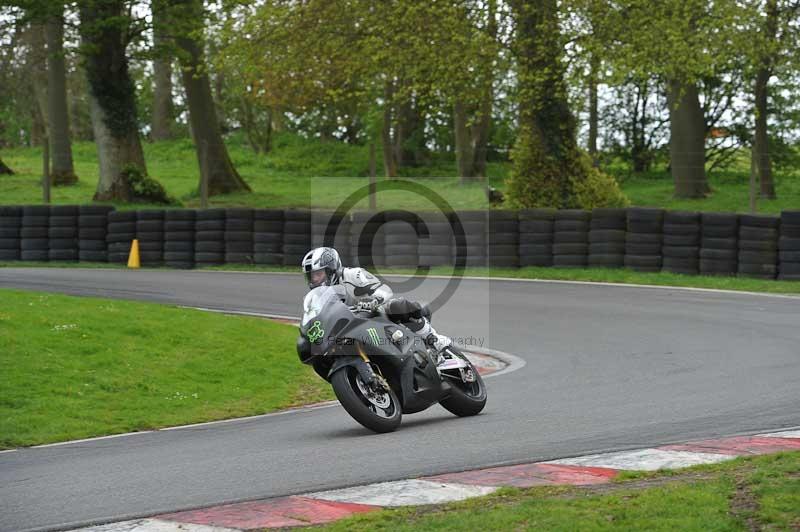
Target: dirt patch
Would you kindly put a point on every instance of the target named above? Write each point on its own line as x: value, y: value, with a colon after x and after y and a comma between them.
x: 744, y: 504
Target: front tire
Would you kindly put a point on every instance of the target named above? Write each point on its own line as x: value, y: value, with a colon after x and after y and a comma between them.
x: 466, y: 398
x: 379, y: 415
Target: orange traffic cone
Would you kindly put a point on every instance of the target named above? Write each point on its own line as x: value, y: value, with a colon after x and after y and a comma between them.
x: 133, y: 258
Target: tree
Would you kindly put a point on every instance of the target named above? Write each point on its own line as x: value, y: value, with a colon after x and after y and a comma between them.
x: 106, y: 29
x: 212, y: 155
x: 680, y: 42
x: 62, y: 171
x: 163, y: 112
x: 4, y: 169
x: 548, y: 168
x: 770, y: 38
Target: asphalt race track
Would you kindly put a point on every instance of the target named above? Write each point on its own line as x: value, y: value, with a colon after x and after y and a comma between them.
x: 608, y: 368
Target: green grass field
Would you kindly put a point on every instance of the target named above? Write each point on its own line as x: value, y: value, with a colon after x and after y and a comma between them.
x: 79, y: 367
x: 311, y: 173
x: 744, y: 494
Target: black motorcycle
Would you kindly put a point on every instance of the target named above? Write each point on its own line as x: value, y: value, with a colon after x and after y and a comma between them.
x: 380, y: 369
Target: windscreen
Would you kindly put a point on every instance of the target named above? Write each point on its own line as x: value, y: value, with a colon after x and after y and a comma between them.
x: 316, y: 300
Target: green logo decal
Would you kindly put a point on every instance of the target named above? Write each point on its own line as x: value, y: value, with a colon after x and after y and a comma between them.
x: 316, y: 332
x: 373, y: 334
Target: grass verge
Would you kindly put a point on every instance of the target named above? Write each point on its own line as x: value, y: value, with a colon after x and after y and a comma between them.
x: 75, y: 367
x: 282, y: 179
x: 601, y: 275
x: 744, y: 494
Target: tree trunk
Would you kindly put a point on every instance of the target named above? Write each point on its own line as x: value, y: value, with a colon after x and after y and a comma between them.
x: 593, y: 115
x: 4, y: 169
x: 37, y: 63
x: 117, y: 152
x: 546, y: 160
x: 212, y: 155
x: 480, y: 134
x: 62, y: 171
x: 687, y: 140
x: 163, y: 115
x: 465, y: 153
x: 112, y: 101
x: 483, y: 124
x: 389, y: 163
x: 763, y: 162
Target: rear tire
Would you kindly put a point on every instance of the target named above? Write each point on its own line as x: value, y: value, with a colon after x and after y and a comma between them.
x: 359, y: 407
x: 466, y: 399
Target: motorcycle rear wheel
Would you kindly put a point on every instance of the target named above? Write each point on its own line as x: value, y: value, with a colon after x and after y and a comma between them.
x: 370, y: 413
x: 465, y: 399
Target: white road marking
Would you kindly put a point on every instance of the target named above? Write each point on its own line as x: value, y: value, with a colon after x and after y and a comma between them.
x: 782, y: 434
x: 644, y: 460
x: 404, y: 493
x: 153, y: 525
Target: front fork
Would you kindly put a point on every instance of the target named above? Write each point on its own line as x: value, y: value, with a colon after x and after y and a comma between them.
x: 368, y: 375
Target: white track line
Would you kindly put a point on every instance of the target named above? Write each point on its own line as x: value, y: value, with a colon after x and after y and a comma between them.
x: 475, y: 278
x: 782, y: 434
x: 644, y: 460
x: 152, y: 525
x: 410, y: 492
x: 553, y: 281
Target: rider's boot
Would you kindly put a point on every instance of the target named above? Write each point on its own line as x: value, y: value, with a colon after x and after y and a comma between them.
x: 439, y: 342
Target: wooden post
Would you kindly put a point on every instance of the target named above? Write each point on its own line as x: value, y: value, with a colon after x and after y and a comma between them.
x: 46, y: 169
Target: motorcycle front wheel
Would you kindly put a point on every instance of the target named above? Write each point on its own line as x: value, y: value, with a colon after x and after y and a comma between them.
x: 377, y: 411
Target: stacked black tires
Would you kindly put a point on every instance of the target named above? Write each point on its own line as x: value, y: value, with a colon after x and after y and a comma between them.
x: 789, y: 246
x: 150, y: 234
x: 34, y: 233
x: 10, y: 227
x: 536, y: 237
x: 758, y: 246
x: 681, y: 249
x: 63, y: 233
x: 503, y: 239
x: 571, y: 238
x: 239, y: 236
x: 296, y: 236
x: 401, y: 247
x: 179, y: 233
x: 475, y: 224
x: 268, y: 236
x: 719, y: 243
x: 367, y: 241
x: 607, y: 238
x: 92, y: 233
x: 209, y: 237
x: 435, y: 241
x: 644, y: 239
x: 120, y: 235
x: 331, y: 229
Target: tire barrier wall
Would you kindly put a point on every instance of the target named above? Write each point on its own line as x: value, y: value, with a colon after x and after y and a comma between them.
x: 789, y: 246
x: 642, y: 239
x: 571, y: 238
x: 10, y: 226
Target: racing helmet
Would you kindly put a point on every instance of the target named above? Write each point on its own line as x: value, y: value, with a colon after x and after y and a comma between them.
x: 322, y: 266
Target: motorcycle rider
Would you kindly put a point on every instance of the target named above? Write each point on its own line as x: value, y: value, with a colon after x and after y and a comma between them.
x: 322, y: 266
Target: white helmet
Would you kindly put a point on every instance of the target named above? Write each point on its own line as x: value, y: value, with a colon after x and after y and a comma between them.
x: 322, y: 259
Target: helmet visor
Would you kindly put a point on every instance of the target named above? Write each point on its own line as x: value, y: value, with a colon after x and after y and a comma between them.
x: 317, y: 278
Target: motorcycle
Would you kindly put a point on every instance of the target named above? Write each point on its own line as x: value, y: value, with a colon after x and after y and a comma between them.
x: 379, y: 369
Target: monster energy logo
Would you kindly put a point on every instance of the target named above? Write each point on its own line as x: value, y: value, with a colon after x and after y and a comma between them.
x: 316, y: 331
x: 373, y: 334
